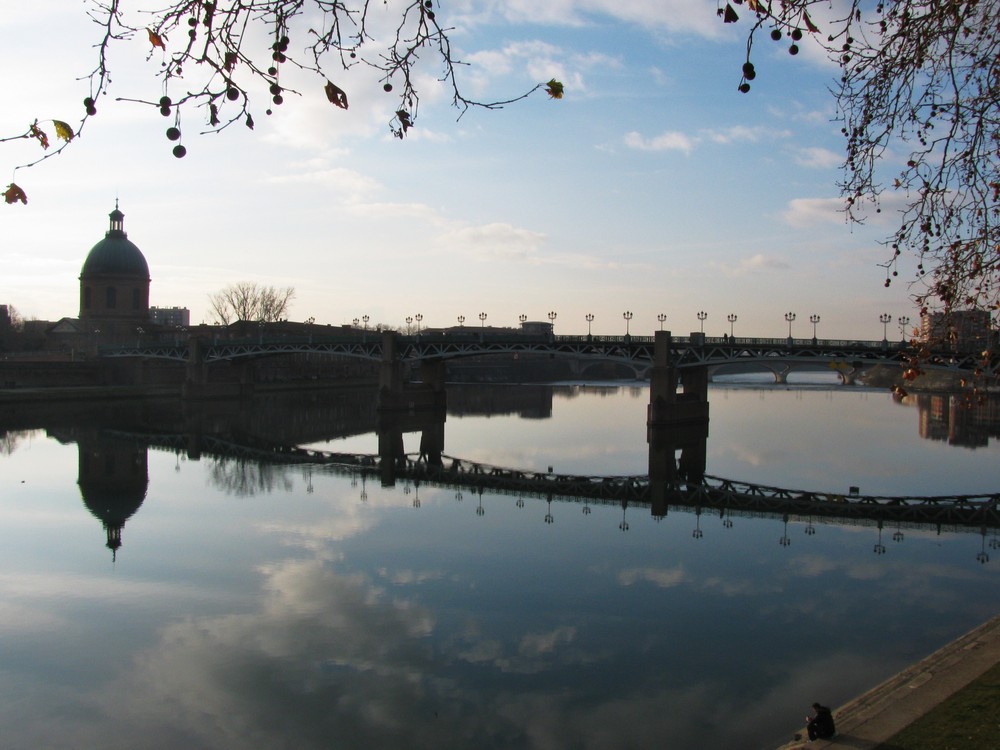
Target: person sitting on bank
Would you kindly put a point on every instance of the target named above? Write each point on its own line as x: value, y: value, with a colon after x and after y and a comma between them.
x: 821, y: 725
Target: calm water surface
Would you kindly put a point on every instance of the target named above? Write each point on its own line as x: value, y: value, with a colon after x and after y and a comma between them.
x: 266, y: 606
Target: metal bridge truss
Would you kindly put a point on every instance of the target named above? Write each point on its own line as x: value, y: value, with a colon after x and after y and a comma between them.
x: 693, y: 351
x: 724, y: 496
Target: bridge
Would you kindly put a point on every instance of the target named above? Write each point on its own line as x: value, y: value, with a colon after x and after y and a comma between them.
x: 664, y: 359
x: 696, y: 350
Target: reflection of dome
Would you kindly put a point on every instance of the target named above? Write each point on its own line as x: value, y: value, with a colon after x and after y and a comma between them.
x: 113, y: 481
x: 114, y: 281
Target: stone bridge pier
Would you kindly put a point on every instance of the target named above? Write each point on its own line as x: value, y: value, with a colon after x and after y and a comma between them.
x: 675, y: 422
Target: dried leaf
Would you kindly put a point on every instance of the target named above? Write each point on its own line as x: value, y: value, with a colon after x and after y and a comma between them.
x: 554, y: 89
x: 729, y: 16
x: 156, y: 40
x: 14, y: 194
x: 336, y: 95
x: 39, y: 134
x: 809, y: 24
x: 63, y: 130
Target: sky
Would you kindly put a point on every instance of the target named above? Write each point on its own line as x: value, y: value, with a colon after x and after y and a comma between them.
x: 652, y: 187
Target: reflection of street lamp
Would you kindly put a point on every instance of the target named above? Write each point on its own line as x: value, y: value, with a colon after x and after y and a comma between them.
x: 590, y: 319
x: 461, y: 320
x: 789, y: 316
x: 628, y: 316
x: 701, y: 317
x: 661, y: 317
x: 732, y: 317
x: 138, y: 337
x: 903, y: 322
x: 482, y: 319
x: 885, y: 319
x: 814, y: 319
x: 418, y: 317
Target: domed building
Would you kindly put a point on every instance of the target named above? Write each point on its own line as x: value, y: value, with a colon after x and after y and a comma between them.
x: 114, y: 283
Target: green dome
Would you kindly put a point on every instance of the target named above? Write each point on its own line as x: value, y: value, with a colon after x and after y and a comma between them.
x: 115, y: 255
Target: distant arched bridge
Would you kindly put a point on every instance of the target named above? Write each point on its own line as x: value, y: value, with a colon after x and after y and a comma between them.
x: 778, y: 355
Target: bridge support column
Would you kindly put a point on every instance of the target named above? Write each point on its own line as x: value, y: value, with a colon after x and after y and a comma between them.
x: 666, y: 407
x: 433, y: 373
x: 394, y: 394
x: 674, y: 422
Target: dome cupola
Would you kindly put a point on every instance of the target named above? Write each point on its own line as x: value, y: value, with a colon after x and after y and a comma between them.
x: 114, y: 281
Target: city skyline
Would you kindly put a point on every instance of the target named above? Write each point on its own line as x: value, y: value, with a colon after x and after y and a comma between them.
x: 652, y: 187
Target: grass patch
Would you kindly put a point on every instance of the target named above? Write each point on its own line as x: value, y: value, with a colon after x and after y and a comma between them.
x: 968, y: 720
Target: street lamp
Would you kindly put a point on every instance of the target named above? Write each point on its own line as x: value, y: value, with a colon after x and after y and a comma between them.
x: 482, y: 319
x: 789, y: 316
x: 356, y: 321
x: 814, y: 319
x: 661, y: 317
x: 365, y: 319
x: 590, y: 319
x: 885, y: 319
x: 461, y: 320
x: 732, y: 317
x: 418, y: 317
x: 628, y: 316
x: 522, y: 317
x: 904, y: 321
x: 552, y: 320
x: 409, y: 323
x: 701, y: 317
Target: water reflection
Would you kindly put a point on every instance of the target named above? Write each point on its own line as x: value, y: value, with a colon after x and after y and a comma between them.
x: 257, y: 451
x: 263, y: 598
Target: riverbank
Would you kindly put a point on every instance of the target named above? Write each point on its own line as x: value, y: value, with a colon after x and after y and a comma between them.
x: 120, y: 392
x: 872, y: 719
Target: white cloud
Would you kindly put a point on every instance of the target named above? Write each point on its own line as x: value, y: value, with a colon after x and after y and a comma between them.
x: 667, y: 141
x: 818, y: 158
x: 810, y: 212
x: 678, y: 16
x: 496, y: 240
x: 755, y: 263
x: 744, y: 134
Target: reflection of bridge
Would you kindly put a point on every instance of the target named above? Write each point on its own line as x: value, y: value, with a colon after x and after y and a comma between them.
x: 660, y: 491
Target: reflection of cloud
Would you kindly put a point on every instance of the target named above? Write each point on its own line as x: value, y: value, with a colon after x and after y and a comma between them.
x: 662, y: 577
x: 536, y: 644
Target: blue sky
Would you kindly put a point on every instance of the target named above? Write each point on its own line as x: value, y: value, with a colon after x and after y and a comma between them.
x: 654, y: 186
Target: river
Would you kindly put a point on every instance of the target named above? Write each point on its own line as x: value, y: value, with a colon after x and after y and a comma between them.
x: 163, y: 589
